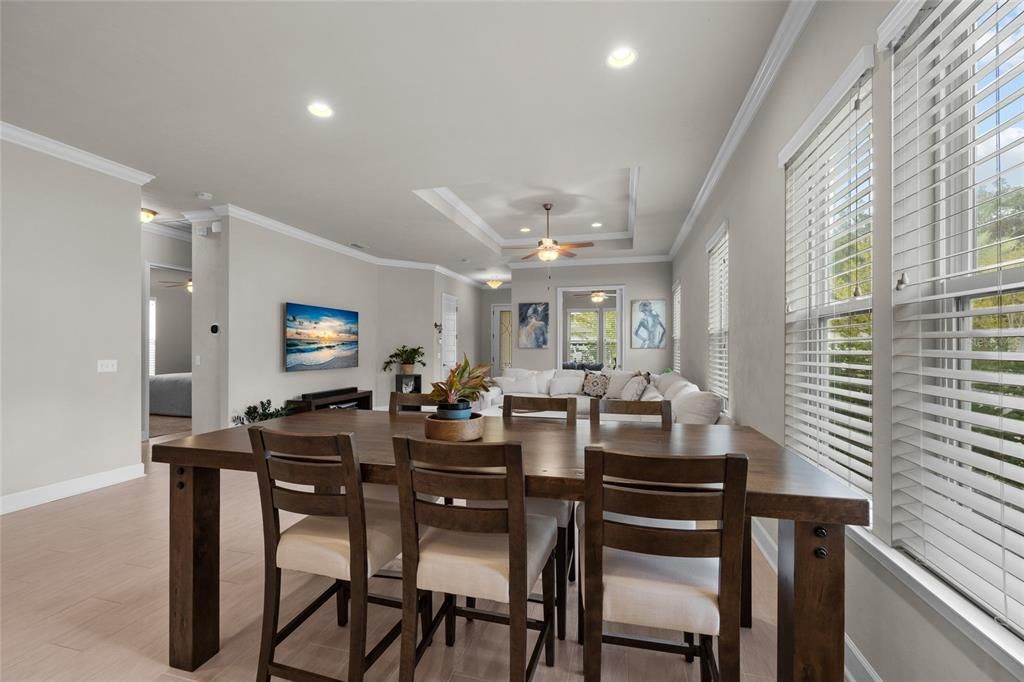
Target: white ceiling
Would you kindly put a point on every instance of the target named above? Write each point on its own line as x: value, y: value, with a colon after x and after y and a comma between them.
x: 506, y: 105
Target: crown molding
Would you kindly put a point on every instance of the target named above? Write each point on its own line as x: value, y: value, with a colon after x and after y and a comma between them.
x: 569, y: 263
x: 786, y: 35
x: 864, y: 60
x: 232, y: 211
x: 65, y: 152
x: 164, y: 231
x: 200, y: 216
x: 896, y: 23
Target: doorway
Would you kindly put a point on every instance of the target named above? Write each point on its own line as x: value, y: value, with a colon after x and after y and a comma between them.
x: 449, y: 333
x: 501, y: 337
x: 167, y: 351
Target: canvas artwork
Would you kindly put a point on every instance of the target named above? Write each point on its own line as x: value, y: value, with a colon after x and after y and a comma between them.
x: 648, y: 330
x: 533, y: 325
x: 320, y: 338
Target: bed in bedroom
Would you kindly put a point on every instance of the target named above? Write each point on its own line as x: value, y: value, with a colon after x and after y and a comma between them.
x: 171, y: 394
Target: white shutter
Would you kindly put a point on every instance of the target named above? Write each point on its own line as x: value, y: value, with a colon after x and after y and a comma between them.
x: 828, y: 292
x: 958, y: 311
x: 677, y: 325
x: 718, y: 318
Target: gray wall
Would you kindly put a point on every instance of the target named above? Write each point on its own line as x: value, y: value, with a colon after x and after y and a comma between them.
x: 173, y: 322
x: 646, y: 280
x: 70, y: 280
x: 900, y: 635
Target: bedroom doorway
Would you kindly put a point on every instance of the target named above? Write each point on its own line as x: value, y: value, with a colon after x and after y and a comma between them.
x: 167, y: 351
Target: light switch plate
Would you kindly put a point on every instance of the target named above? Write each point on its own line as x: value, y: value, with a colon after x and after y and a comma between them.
x: 103, y: 366
x: 198, y: 361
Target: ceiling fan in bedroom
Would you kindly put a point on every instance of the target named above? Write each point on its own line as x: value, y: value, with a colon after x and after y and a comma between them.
x: 174, y: 285
x: 549, y: 249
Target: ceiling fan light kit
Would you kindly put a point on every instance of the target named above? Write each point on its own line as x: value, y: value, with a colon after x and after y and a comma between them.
x: 549, y: 249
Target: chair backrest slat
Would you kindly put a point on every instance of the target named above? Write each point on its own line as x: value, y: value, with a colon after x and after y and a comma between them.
x: 656, y: 408
x: 467, y: 486
x: 309, y: 503
x: 512, y: 403
x: 306, y: 471
x: 665, y: 469
x: 466, y: 519
x: 300, y: 444
x: 706, y: 505
x: 662, y: 541
x: 472, y: 456
x: 398, y: 400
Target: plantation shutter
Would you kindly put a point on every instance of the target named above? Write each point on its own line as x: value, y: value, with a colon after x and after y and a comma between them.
x: 718, y: 318
x: 677, y: 325
x: 958, y: 327
x: 828, y: 292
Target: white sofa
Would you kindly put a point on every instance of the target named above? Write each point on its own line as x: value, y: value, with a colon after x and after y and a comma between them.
x: 690, y: 405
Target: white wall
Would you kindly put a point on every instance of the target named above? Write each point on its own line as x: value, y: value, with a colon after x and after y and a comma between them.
x: 902, y: 637
x: 646, y: 280
x: 71, y: 250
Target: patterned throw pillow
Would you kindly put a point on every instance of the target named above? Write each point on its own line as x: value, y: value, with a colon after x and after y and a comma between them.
x: 634, y: 388
x: 595, y: 385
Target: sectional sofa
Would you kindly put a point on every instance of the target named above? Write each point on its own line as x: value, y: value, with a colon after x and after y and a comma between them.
x: 690, y: 405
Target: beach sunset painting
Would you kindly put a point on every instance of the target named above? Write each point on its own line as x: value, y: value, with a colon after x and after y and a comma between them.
x: 320, y: 338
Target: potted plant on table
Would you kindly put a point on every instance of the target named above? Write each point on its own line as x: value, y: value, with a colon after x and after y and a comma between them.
x: 406, y: 358
x: 464, y: 384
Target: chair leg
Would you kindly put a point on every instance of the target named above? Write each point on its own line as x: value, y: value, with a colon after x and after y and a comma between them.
x: 728, y: 664
x: 412, y: 604
x: 580, y: 616
x: 470, y: 604
x: 746, y: 596
x: 342, y: 600
x: 561, y: 585
x: 427, y: 601
x: 706, y: 659
x: 688, y: 638
x: 517, y: 638
x: 357, y: 630
x: 572, y: 549
x: 271, y: 607
x: 548, y: 586
x: 449, y: 620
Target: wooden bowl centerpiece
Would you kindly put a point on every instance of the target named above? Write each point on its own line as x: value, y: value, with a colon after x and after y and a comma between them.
x: 454, y: 430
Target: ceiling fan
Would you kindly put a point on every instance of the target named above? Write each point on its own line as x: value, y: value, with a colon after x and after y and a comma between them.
x: 173, y: 285
x: 549, y: 249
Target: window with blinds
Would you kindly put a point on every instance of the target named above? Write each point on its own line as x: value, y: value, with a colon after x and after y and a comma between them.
x: 677, y: 325
x: 718, y: 318
x: 828, y: 292
x: 958, y: 308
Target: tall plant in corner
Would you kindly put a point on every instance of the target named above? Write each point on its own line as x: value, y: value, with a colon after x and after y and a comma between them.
x: 465, y: 383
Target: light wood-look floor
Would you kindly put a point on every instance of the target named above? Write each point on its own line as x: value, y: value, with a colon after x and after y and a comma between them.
x: 162, y: 425
x: 83, y: 596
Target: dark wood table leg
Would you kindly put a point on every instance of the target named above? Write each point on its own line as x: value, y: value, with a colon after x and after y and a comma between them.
x: 194, y: 567
x: 746, y: 596
x: 812, y: 566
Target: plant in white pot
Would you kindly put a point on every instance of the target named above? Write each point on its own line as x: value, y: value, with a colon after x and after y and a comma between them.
x: 406, y: 358
x: 465, y: 383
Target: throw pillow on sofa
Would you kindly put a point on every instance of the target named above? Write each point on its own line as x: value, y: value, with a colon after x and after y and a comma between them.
x: 664, y: 382
x: 595, y: 385
x: 566, y: 381
x: 696, y: 407
x: 617, y: 380
x: 651, y: 394
x: 679, y: 388
x: 634, y: 388
x: 544, y: 380
x: 520, y: 384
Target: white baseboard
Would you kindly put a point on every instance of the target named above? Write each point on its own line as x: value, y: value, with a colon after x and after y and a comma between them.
x: 76, y: 486
x: 857, y: 668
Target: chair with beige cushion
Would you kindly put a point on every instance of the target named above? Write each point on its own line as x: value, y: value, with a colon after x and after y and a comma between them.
x: 561, y: 511
x: 483, y: 553
x: 343, y: 537
x: 642, y: 570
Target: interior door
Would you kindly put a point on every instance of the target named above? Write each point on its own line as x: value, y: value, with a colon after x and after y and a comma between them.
x: 501, y: 338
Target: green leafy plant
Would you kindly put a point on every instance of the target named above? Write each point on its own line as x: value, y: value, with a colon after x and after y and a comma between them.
x: 405, y: 355
x: 259, y: 413
x: 464, y: 382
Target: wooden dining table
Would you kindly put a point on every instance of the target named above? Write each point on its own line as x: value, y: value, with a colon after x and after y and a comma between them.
x: 812, y: 508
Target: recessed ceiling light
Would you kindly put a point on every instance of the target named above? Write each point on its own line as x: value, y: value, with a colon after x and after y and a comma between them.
x: 621, y: 57
x: 524, y: 229
x: 322, y: 109
x: 595, y: 224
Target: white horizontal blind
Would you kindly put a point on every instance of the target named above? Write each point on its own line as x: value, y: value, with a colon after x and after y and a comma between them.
x: 828, y: 292
x: 677, y: 324
x: 958, y: 311
x: 718, y: 319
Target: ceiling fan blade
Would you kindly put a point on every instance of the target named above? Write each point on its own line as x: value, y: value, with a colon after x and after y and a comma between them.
x: 517, y: 248
x: 577, y: 245
x: 566, y: 253
x: 531, y: 254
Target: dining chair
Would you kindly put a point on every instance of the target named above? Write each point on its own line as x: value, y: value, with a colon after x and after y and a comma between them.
x: 562, y: 511
x: 482, y: 553
x: 647, y: 574
x: 399, y: 400
x: 342, y: 536
x: 657, y: 408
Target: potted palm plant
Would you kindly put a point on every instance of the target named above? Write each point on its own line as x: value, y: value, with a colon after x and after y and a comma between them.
x: 464, y: 384
x: 406, y: 358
